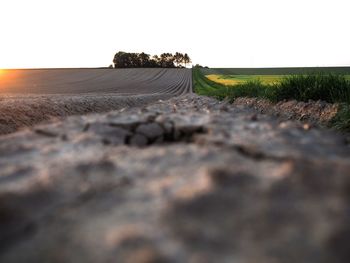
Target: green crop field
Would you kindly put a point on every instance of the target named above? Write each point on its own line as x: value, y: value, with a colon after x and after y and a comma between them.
x: 275, y: 71
x: 231, y: 80
x: 267, y: 76
x: 303, y: 84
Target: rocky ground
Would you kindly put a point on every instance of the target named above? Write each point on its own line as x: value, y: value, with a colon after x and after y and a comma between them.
x: 18, y: 111
x: 312, y: 112
x: 189, y: 179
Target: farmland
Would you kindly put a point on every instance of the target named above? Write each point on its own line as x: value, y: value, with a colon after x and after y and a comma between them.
x: 275, y: 71
x: 302, y: 84
x: 28, y: 96
x: 267, y: 76
x: 95, y: 81
x: 232, y: 80
x: 156, y: 173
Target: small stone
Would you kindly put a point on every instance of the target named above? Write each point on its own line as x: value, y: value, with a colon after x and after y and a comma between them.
x: 286, y: 125
x: 283, y: 125
x: 225, y: 177
x: 174, y: 108
x: 126, y: 122
x: 254, y: 117
x: 159, y: 140
x: 347, y: 140
x: 46, y: 133
x: 138, y: 140
x: 86, y: 127
x: 64, y: 137
x: 151, y: 130
x: 189, y: 129
x: 152, y: 117
x: 109, y: 134
x: 168, y: 127
x: 303, y: 117
x: 306, y: 127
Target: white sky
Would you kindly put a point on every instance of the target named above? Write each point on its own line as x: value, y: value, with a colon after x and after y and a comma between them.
x: 220, y: 33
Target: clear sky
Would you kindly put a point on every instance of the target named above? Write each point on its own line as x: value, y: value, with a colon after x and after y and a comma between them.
x: 220, y: 33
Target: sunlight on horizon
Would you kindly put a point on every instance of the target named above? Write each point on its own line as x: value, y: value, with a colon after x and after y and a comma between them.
x: 9, y: 76
x: 231, y: 33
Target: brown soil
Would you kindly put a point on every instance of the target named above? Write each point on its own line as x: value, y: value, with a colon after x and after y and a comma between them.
x: 28, y: 97
x: 190, y: 179
x: 312, y: 112
x: 186, y: 179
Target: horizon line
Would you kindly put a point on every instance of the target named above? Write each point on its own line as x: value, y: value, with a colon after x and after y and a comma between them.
x: 106, y: 67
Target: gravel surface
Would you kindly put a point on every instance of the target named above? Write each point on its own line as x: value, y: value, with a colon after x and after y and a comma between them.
x: 28, y: 97
x: 188, y: 179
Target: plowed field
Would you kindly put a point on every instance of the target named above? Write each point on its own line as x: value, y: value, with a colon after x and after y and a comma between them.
x: 31, y: 96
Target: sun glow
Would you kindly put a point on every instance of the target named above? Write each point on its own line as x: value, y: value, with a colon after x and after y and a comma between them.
x: 3, y: 73
x: 9, y: 78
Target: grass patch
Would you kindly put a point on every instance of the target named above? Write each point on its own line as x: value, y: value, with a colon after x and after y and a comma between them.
x: 208, y: 87
x: 276, y: 71
x: 329, y: 87
x: 342, y: 120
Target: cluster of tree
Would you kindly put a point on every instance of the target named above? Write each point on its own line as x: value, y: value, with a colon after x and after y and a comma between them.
x: 200, y: 66
x: 143, y: 60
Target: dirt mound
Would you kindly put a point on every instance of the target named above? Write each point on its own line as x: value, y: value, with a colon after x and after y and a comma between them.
x: 314, y: 112
x: 190, y: 179
x: 28, y: 97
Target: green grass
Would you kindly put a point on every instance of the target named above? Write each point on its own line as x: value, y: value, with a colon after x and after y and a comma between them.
x: 342, y: 120
x: 205, y: 86
x: 276, y: 71
x: 230, y: 80
x: 329, y: 87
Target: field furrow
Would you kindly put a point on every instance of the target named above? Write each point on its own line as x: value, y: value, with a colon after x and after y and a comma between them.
x: 31, y: 96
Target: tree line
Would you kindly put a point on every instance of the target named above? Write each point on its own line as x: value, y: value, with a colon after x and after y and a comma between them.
x: 143, y: 60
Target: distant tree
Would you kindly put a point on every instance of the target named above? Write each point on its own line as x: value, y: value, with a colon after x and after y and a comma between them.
x: 167, y: 60
x: 121, y: 60
x: 200, y: 66
x: 178, y: 59
x: 186, y: 59
x: 117, y: 60
x: 143, y: 60
x: 133, y: 60
x: 155, y: 62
